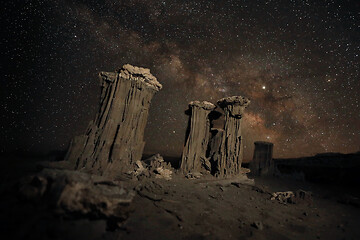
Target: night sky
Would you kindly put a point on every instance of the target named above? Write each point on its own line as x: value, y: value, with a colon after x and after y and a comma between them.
x: 298, y: 62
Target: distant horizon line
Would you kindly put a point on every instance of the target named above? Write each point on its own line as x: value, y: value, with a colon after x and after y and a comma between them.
x: 57, y: 152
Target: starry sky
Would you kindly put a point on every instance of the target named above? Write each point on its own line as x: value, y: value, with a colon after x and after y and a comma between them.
x: 298, y: 62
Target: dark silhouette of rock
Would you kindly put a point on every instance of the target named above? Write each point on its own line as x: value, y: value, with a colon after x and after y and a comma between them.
x: 258, y: 225
x: 334, y: 168
x: 231, y: 148
x: 75, y: 194
x: 114, y: 141
x: 262, y: 160
x: 215, y: 148
x: 194, y: 157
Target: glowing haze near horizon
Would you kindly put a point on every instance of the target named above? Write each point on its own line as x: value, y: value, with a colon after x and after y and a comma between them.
x: 298, y: 62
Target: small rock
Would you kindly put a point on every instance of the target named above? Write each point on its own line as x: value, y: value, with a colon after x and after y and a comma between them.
x: 236, y: 184
x: 193, y: 175
x: 301, y: 196
x: 282, y: 197
x: 258, y: 225
x: 163, y: 173
x: 139, y: 168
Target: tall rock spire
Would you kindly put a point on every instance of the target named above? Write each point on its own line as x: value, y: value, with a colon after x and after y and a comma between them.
x: 194, y: 154
x: 115, y: 139
x: 231, y: 146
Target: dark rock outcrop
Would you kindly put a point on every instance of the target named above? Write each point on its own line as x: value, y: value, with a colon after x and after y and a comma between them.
x: 114, y: 141
x: 215, y: 148
x: 329, y: 168
x: 231, y: 148
x: 75, y: 194
x: 262, y: 163
x: 194, y: 157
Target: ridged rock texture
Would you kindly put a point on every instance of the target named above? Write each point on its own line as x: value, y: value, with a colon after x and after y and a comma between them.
x: 215, y: 148
x: 194, y: 157
x: 114, y: 141
x: 262, y: 160
x: 231, y: 147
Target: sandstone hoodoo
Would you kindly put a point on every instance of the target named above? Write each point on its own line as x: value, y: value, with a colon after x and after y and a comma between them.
x: 194, y: 157
x: 114, y: 141
x: 262, y: 159
x: 229, y: 160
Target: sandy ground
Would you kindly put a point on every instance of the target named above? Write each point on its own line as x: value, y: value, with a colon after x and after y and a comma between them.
x: 191, y: 209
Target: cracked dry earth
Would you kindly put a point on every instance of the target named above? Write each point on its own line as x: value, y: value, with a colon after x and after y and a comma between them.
x: 206, y: 208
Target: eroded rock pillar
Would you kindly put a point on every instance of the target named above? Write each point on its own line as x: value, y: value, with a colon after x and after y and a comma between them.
x: 114, y: 141
x: 262, y: 159
x: 194, y: 157
x: 231, y: 149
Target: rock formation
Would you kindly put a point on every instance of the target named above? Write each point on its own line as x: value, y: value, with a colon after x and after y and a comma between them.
x: 113, y: 142
x: 262, y: 159
x: 215, y: 148
x: 231, y: 146
x: 194, y: 157
x: 74, y: 194
x: 155, y: 167
x: 298, y: 197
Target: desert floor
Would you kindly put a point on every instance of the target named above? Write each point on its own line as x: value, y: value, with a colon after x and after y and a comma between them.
x: 205, y: 208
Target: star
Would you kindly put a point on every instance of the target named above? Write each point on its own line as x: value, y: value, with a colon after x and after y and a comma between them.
x: 298, y: 63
